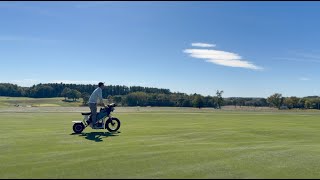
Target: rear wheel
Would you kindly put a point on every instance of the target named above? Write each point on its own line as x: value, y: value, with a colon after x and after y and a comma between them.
x: 78, y: 127
x: 113, y: 124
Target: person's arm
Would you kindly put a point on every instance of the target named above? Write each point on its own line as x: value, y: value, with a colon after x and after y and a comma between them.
x: 100, y: 97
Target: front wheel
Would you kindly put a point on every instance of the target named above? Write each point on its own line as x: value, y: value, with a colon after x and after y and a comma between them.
x: 113, y: 124
x: 78, y: 127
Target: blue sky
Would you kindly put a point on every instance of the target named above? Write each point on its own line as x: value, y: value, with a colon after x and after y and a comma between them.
x: 246, y: 49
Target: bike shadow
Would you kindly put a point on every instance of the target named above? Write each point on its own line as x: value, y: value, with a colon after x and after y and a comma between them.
x: 96, y: 136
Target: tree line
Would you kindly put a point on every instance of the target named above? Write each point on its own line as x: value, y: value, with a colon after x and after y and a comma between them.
x: 55, y: 89
x: 149, y: 96
x: 123, y: 95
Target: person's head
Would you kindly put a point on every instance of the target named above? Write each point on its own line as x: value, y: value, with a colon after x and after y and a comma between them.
x: 101, y: 85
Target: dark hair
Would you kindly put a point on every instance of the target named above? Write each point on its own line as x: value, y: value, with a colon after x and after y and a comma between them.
x: 100, y: 84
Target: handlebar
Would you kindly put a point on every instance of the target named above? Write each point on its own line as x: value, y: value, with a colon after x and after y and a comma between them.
x: 111, y: 105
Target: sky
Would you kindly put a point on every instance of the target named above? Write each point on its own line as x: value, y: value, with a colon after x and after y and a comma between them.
x: 246, y: 49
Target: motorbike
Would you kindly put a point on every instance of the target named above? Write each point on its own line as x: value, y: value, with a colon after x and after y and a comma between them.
x: 104, y: 120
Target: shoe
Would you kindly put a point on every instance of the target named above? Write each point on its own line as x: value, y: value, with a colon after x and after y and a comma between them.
x: 97, y: 125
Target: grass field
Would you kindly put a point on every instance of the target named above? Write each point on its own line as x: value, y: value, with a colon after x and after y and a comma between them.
x: 6, y: 102
x: 158, y: 144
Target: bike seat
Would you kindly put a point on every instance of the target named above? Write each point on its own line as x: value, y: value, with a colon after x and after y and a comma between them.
x: 86, y: 113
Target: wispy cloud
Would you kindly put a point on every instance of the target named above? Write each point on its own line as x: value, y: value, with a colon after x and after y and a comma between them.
x: 301, y: 57
x: 202, y: 45
x: 309, y: 55
x: 304, y: 79
x: 221, y: 58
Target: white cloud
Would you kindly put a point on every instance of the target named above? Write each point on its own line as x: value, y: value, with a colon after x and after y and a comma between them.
x: 203, y: 45
x: 221, y: 58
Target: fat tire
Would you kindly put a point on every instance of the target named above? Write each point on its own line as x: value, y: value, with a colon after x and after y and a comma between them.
x: 109, y: 123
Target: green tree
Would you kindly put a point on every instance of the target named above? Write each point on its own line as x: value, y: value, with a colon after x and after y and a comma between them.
x: 117, y: 99
x: 295, y: 101
x: 74, y: 94
x: 317, y: 102
x: 85, y: 98
x: 42, y: 91
x: 288, y: 102
x: 198, y: 101
x: 307, y: 104
x: 136, y: 99
x: 65, y: 93
x: 275, y: 100
x: 109, y: 99
x: 219, y: 99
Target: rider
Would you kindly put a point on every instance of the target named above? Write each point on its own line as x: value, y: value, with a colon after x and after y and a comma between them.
x: 96, y: 94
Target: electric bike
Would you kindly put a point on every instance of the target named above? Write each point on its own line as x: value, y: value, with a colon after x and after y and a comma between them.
x: 104, y: 120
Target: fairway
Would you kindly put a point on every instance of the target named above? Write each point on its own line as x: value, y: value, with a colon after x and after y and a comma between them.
x: 6, y: 102
x: 160, y: 144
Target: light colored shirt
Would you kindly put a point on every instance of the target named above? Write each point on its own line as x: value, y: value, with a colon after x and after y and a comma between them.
x: 97, y: 94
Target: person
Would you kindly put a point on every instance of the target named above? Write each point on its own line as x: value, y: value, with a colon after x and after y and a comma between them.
x: 95, y: 96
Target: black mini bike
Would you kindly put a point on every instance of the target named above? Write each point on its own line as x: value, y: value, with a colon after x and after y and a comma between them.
x: 104, y: 120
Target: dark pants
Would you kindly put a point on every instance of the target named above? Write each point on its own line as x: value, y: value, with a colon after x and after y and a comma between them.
x: 93, y: 108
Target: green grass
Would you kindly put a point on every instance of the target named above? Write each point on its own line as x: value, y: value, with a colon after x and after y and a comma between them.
x: 35, y: 102
x: 181, y: 144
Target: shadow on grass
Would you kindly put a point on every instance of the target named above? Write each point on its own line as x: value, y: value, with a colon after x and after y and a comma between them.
x: 96, y: 136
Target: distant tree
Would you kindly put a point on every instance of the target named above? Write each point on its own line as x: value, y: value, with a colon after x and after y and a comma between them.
x: 109, y: 99
x: 288, y: 102
x: 233, y: 101
x: 219, y: 99
x: 275, y: 100
x: 241, y: 102
x: 317, y: 102
x: 136, y: 99
x: 209, y: 101
x: 295, y: 101
x: 291, y: 102
x: 117, y: 99
x: 301, y: 103
x: 3, y: 90
x: 307, y: 104
x: 74, y: 94
x: 42, y: 91
x: 164, y: 100
x: 198, y: 101
x: 85, y: 98
x: 179, y: 102
x: 65, y: 92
